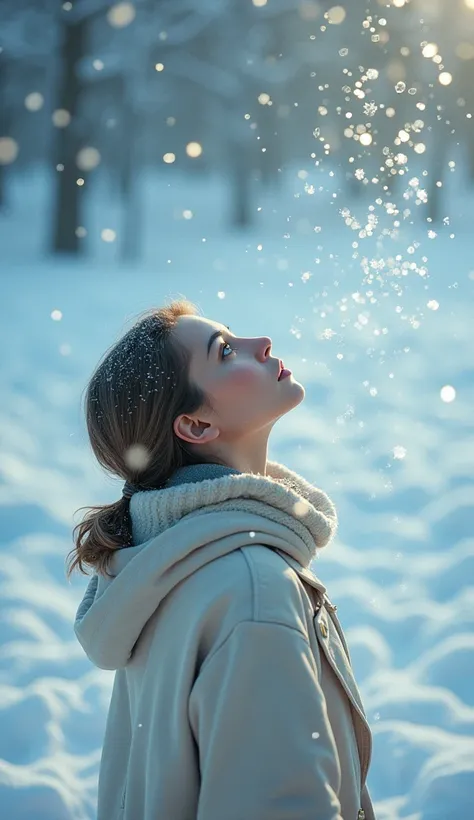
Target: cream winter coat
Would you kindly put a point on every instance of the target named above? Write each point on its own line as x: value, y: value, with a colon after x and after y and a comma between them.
x: 234, y: 697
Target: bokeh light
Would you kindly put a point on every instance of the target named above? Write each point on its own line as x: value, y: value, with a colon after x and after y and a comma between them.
x: 8, y: 150
x: 34, y: 101
x: 336, y: 15
x: 88, y: 158
x: 121, y: 15
x: 61, y: 118
x: 194, y: 149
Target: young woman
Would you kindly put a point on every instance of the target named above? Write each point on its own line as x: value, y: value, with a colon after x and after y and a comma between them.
x: 233, y: 696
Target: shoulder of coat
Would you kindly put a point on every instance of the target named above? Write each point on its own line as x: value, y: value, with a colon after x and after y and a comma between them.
x: 278, y: 594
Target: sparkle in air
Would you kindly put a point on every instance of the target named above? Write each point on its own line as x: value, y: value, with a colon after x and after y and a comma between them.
x: 108, y: 235
x: 399, y: 452
x: 448, y: 394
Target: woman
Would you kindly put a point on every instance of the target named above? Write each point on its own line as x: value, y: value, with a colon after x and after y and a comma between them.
x: 233, y: 695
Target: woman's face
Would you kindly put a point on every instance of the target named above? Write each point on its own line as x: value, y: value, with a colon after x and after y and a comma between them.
x: 240, y: 375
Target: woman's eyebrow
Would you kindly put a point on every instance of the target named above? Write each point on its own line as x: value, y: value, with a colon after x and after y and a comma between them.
x: 212, y: 338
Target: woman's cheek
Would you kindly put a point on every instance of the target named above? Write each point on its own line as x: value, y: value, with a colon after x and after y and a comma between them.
x: 247, y: 378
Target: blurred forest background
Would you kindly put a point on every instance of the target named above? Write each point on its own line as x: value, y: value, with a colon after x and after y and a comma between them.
x: 94, y: 91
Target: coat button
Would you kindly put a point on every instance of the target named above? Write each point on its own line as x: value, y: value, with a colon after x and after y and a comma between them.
x: 324, y: 629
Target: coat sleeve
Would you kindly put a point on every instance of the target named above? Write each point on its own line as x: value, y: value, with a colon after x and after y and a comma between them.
x: 258, y: 713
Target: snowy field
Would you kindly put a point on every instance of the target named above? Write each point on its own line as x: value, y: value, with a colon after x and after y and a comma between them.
x: 385, y: 429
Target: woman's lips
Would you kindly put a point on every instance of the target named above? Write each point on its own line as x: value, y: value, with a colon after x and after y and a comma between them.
x: 284, y: 373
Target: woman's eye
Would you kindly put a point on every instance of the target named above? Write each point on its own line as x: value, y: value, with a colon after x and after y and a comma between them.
x: 226, y: 344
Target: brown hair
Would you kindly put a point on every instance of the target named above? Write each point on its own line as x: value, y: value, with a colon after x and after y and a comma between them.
x: 141, y: 385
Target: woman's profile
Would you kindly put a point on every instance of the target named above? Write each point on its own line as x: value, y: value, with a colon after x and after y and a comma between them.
x: 234, y: 696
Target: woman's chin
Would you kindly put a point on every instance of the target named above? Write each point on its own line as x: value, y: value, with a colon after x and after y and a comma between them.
x: 296, y: 393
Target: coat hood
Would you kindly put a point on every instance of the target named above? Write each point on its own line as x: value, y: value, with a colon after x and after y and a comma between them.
x: 180, y: 528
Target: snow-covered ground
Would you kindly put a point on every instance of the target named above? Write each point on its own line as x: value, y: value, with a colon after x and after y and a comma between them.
x: 377, y: 431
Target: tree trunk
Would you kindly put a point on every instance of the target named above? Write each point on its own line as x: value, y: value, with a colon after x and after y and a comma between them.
x: 5, y: 121
x: 240, y: 176
x: 68, y: 192
x: 129, y: 184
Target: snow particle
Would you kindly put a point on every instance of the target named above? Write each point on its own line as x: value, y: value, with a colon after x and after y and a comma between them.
x: 400, y: 87
x: 169, y: 158
x: 56, y: 315
x: 429, y: 50
x: 433, y: 304
x: 300, y: 509
x: 399, y: 452
x: 445, y: 78
x: 136, y: 457
x: 447, y: 393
